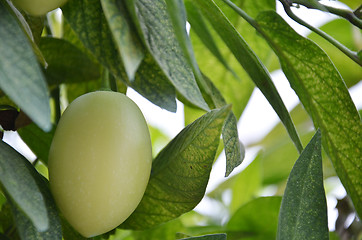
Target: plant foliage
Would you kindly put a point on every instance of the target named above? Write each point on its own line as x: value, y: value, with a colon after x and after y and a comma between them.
x: 209, y: 55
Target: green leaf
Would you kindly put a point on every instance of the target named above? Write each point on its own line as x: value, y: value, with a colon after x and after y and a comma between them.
x: 37, y: 140
x: 221, y: 236
x: 343, y: 32
x: 325, y: 97
x: 250, y: 62
x: 155, y: 26
x: 20, y: 75
x: 180, y: 172
x: 256, y: 220
x: 236, y: 89
x: 200, y: 27
x: 150, y: 81
x: 303, y: 212
x: 19, y: 180
x: 66, y: 63
x: 177, y: 13
x: 82, y: 16
x: 234, y: 149
x: 25, y: 227
x: 126, y: 39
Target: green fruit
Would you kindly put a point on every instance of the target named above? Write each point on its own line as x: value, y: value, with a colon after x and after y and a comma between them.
x: 99, y: 161
x: 38, y: 7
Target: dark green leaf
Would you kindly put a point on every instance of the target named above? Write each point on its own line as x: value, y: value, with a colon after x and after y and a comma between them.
x: 126, y: 39
x: 37, y: 140
x: 25, y: 227
x: 177, y: 13
x: 82, y: 16
x: 180, y: 172
x: 36, y: 25
x: 155, y: 26
x: 303, y: 212
x: 6, y: 218
x: 150, y: 81
x: 250, y: 63
x: 66, y: 63
x: 325, y: 97
x: 256, y: 220
x: 20, y: 75
x: 221, y: 236
x: 18, y: 177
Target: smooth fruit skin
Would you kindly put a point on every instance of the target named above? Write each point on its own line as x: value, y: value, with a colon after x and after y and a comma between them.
x: 99, y: 161
x: 38, y: 7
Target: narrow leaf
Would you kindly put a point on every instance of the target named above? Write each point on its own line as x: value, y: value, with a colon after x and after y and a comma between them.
x: 17, y: 176
x: 155, y: 26
x: 324, y: 95
x: 221, y: 236
x: 177, y: 12
x: 20, y: 75
x: 250, y: 62
x: 303, y: 213
x: 126, y: 39
x: 180, y: 172
x: 234, y: 149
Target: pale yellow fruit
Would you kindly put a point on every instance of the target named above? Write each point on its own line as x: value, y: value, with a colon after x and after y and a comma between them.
x: 38, y: 7
x: 99, y: 161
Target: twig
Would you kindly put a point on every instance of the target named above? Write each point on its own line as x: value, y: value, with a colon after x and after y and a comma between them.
x: 344, y: 13
x: 351, y: 54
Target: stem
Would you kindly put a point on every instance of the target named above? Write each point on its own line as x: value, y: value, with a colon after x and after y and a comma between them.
x: 351, y: 54
x: 344, y: 13
x: 243, y: 14
x: 113, y: 83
